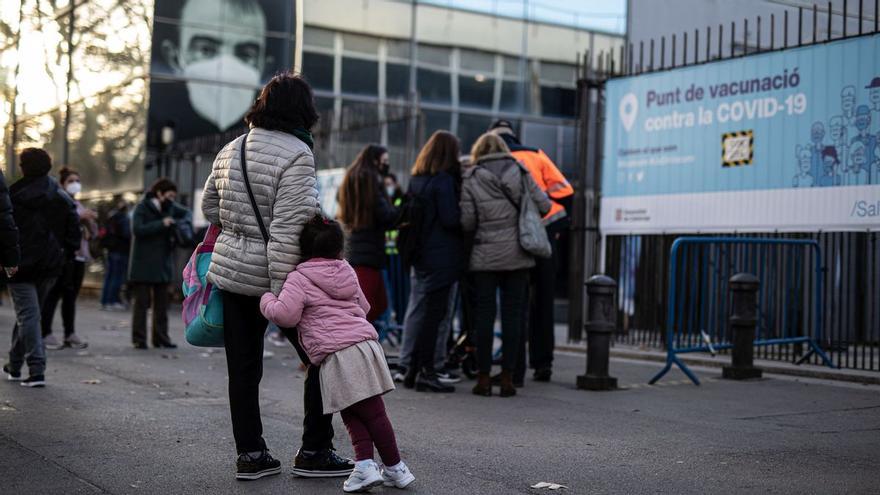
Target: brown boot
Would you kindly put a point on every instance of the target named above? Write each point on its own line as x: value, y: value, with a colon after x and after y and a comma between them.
x: 483, y: 386
x: 507, y: 388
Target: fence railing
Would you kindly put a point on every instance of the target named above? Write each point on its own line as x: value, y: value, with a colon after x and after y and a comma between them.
x: 849, y: 282
x: 698, y: 304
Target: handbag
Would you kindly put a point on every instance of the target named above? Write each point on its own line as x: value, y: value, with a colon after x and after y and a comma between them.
x: 203, y: 303
x: 532, y: 234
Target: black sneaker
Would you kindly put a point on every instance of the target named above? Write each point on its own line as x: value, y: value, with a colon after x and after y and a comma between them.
x: 543, y: 374
x: 448, y: 377
x: 248, y: 468
x: 322, y: 464
x: 12, y: 376
x: 34, y: 381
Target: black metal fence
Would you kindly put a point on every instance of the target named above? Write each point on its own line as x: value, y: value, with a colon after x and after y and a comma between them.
x: 850, y: 292
x: 850, y: 260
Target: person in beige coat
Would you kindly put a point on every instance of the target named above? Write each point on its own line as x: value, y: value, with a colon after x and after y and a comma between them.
x: 491, y: 194
x: 281, y: 171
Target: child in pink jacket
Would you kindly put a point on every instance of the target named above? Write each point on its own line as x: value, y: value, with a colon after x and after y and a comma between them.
x: 323, y: 300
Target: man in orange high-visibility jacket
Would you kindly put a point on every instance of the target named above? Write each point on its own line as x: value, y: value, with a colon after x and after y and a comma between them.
x: 543, y: 279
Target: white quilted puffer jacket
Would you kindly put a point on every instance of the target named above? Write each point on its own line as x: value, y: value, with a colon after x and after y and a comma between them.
x: 281, y: 170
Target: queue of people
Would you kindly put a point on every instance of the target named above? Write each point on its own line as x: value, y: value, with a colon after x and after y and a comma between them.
x: 278, y: 260
x: 468, y: 248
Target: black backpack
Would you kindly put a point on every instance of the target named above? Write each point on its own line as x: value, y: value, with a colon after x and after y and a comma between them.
x: 413, y: 212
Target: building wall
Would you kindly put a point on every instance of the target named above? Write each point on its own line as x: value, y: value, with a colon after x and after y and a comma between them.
x: 470, y: 69
x: 651, y: 19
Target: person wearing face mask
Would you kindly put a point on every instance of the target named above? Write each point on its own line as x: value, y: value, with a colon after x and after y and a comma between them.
x: 151, y: 261
x: 66, y: 288
x: 366, y: 212
x: 222, y: 72
x: 49, y: 233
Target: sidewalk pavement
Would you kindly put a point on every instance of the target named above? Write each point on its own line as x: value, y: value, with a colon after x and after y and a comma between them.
x: 117, y: 420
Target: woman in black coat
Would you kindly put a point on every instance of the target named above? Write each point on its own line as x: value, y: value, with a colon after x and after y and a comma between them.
x: 366, y: 211
x: 151, y: 261
x: 438, y: 264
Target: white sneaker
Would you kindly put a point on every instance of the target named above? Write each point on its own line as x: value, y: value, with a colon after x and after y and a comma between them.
x: 74, y: 342
x: 399, y: 376
x: 397, y: 476
x: 52, y: 343
x: 365, y: 475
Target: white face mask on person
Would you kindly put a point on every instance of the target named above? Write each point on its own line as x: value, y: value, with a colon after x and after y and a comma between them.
x: 215, y: 102
x: 73, y: 188
x: 390, y: 190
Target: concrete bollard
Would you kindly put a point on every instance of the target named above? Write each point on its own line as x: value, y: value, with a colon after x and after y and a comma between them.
x: 743, y: 321
x: 600, y: 326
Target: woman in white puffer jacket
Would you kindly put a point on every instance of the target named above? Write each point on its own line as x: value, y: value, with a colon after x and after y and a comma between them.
x: 281, y: 171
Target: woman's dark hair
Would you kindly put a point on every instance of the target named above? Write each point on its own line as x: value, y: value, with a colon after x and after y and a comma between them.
x: 65, y: 173
x: 163, y: 185
x: 360, y: 187
x: 440, y: 154
x: 285, y: 103
x: 322, y: 238
x: 35, y: 162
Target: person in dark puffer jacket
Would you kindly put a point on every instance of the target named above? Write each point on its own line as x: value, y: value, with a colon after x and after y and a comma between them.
x: 366, y: 211
x: 9, y: 252
x: 49, y: 234
x: 439, y: 263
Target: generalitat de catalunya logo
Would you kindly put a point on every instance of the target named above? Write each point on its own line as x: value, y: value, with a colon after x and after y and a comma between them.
x: 629, y: 108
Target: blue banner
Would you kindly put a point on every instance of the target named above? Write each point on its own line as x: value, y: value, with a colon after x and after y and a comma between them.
x: 790, y: 137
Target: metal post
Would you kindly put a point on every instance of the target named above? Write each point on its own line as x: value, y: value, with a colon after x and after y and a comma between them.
x: 743, y: 321
x: 830, y: 18
x: 600, y: 326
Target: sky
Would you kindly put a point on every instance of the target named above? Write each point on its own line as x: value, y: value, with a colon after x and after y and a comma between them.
x: 605, y: 15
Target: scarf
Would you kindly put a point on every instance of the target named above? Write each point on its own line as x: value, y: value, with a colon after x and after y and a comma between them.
x: 305, y: 136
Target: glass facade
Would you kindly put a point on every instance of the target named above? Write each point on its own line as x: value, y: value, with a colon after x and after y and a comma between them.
x: 364, y: 82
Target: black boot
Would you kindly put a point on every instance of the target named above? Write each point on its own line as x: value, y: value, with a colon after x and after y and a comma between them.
x: 428, y: 382
x: 409, y: 380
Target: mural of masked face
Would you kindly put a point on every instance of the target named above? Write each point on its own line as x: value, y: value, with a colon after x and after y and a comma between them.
x: 222, y: 55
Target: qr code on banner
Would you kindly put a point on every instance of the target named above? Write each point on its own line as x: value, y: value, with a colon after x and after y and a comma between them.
x: 737, y: 148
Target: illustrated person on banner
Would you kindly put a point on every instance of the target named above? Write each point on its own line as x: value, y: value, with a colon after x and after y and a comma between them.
x: 863, y: 125
x: 220, y: 50
x: 874, y: 96
x: 837, y: 127
x: 817, y: 135
x: 830, y: 168
x: 848, y: 103
x: 857, y: 173
x: 803, y: 178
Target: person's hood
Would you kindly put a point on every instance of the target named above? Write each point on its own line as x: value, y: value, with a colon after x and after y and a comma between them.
x: 35, y: 192
x: 513, y: 143
x: 335, y: 277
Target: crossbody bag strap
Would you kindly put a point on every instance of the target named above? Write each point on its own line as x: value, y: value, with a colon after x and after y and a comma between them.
x: 247, y: 185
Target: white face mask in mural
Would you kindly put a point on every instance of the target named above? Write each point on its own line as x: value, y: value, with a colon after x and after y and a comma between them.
x: 222, y: 105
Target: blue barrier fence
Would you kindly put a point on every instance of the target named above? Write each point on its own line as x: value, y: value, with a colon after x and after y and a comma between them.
x: 789, y: 313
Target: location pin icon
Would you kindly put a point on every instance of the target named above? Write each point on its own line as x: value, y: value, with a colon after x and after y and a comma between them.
x: 629, y: 108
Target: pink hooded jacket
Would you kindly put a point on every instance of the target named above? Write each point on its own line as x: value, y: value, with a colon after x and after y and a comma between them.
x: 323, y: 299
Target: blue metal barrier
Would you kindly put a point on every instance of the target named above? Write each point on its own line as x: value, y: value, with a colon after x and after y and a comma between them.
x: 696, y: 314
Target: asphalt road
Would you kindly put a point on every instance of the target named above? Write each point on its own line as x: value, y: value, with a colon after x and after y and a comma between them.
x: 116, y: 420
